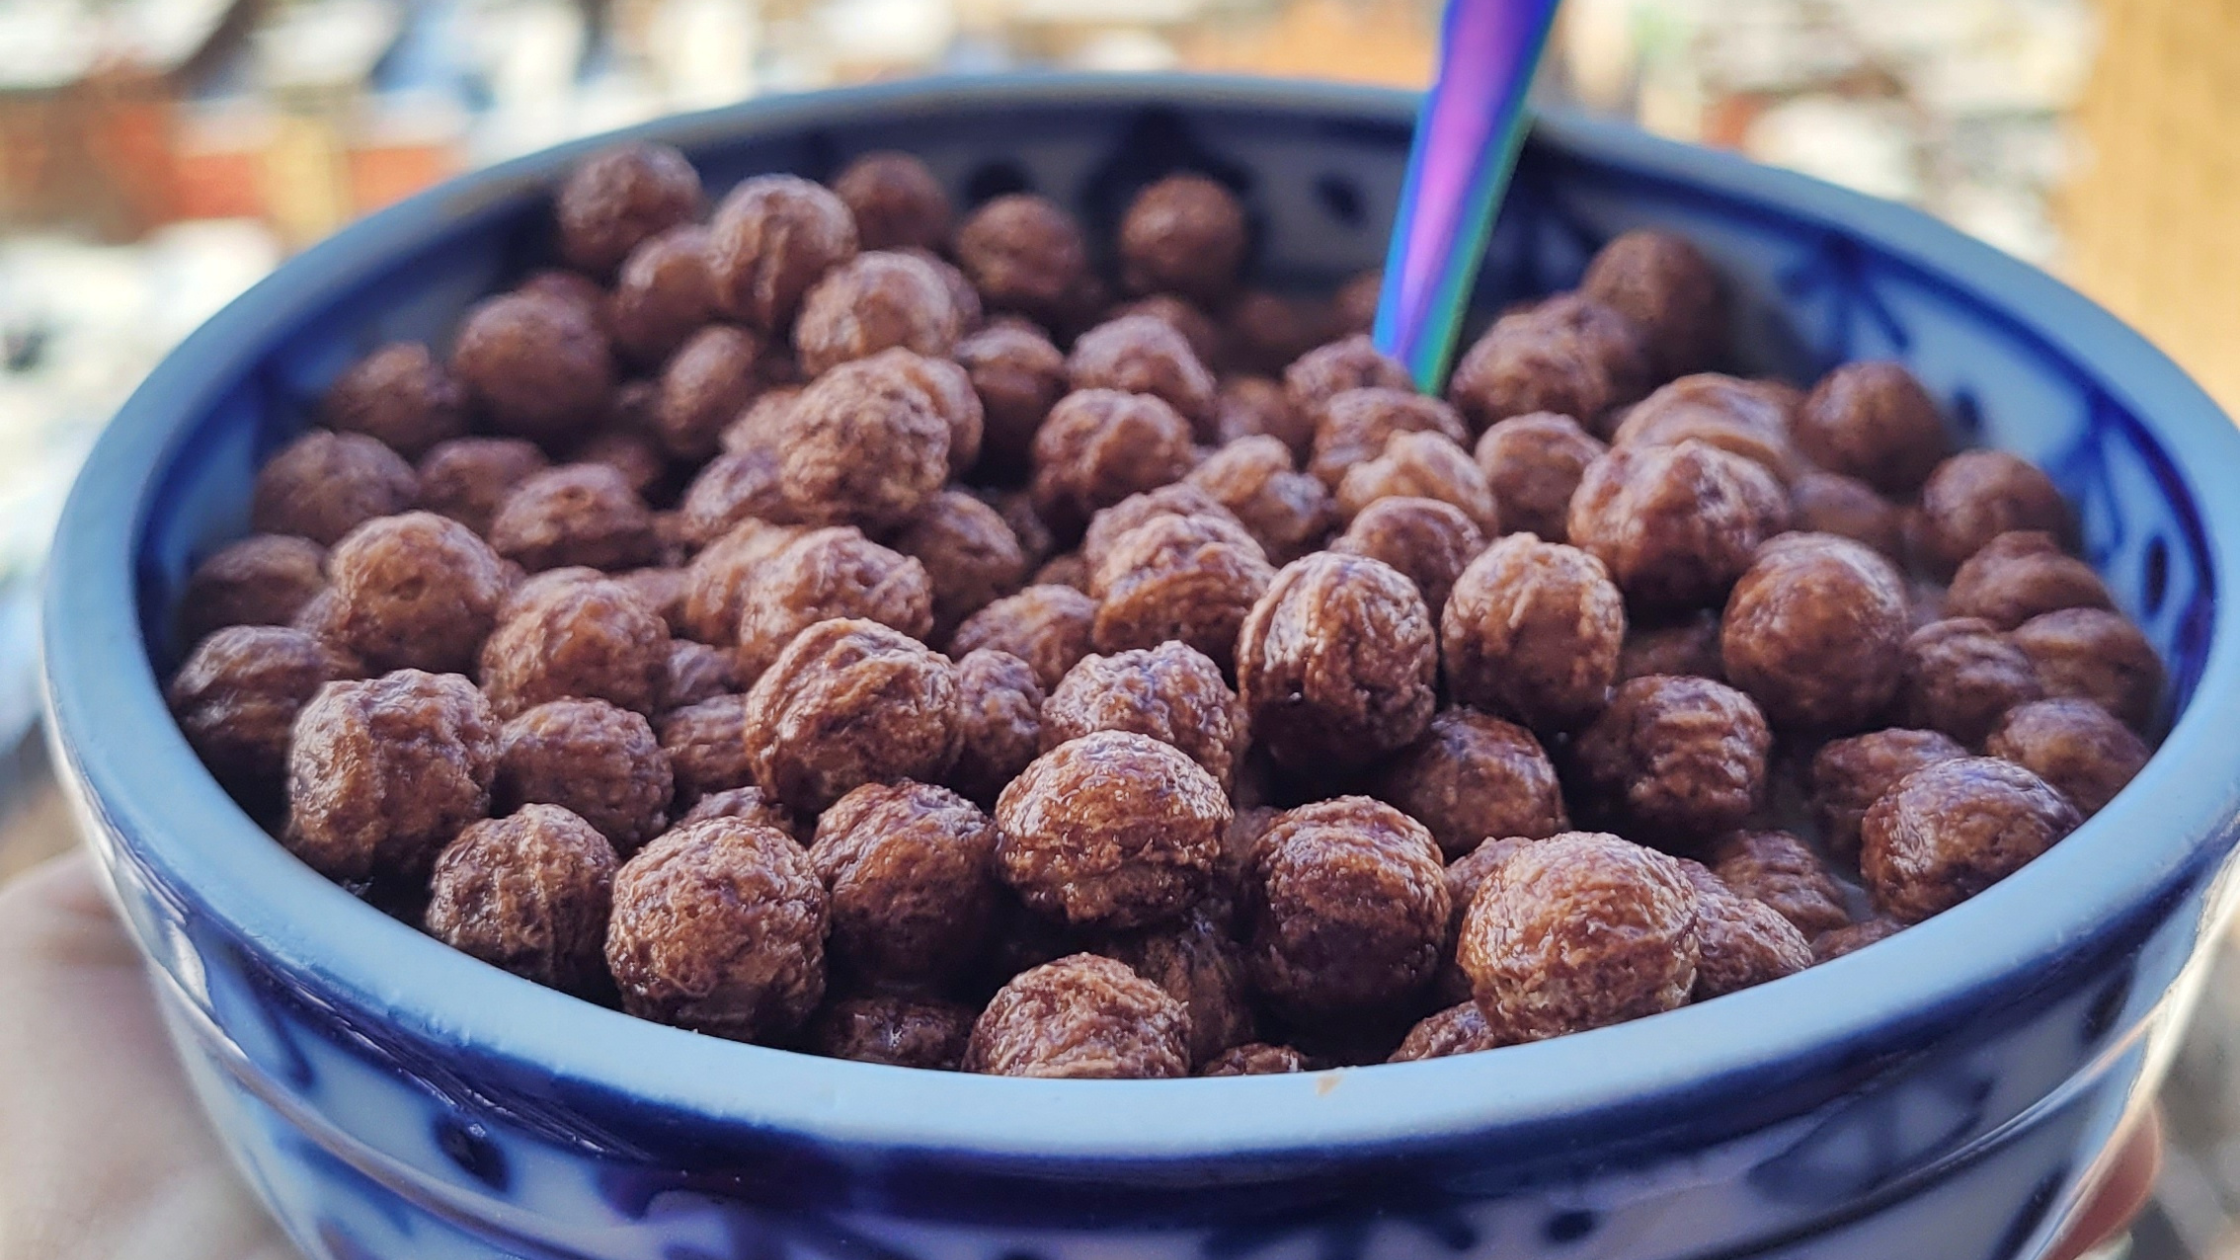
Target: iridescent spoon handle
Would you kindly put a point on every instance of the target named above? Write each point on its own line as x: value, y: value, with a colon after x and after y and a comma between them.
x: 1467, y: 137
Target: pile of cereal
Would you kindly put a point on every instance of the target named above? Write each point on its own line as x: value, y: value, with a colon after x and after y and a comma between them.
x: 838, y: 625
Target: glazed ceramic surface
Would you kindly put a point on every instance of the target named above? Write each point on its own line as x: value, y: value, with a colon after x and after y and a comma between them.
x: 1940, y: 1095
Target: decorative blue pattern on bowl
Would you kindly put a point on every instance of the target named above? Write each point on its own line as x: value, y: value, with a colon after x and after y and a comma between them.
x: 1941, y: 1094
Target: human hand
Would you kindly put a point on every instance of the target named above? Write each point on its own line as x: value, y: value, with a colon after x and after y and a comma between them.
x: 104, y: 1156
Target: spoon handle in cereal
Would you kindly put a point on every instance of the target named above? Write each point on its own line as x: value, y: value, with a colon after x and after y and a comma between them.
x: 1467, y: 135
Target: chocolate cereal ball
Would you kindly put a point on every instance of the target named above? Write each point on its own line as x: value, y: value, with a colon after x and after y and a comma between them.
x: 907, y: 866
x: 896, y: 201
x: 875, y: 301
x: 662, y: 295
x: 717, y: 582
x: 1873, y: 421
x: 1743, y: 417
x: 400, y: 396
x: 752, y: 429
x: 2021, y: 575
x: 850, y: 702
x: 772, y: 238
x: 1084, y: 1018
x: 631, y: 449
x: 948, y: 387
x: 469, y: 478
x: 1255, y: 1058
x: 694, y: 672
x: 1676, y: 525
x: 1579, y: 931
x: 1348, y: 906
x: 591, y: 639
x: 820, y: 575
x: 1423, y: 466
x: 323, y: 485
x: 583, y: 514
x: 1336, y: 663
x: 2095, y: 655
x: 1181, y: 498
x: 1191, y: 579
x: 1741, y: 942
x: 741, y: 802
x: 1266, y: 331
x: 1097, y: 447
x: 1070, y: 569
x: 1024, y: 254
x: 1286, y: 511
x: 529, y: 893
x: 1201, y: 966
x: 237, y: 696
x: 1976, y: 496
x: 1569, y: 355
x: 1429, y: 542
x: 1815, y: 631
x: 1961, y: 676
x: 1848, y: 775
x: 1533, y: 630
x: 969, y: 554
x: 1172, y: 693
x: 1353, y: 307
x: 662, y: 589
x: 736, y: 486
x: 261, y: 580
x: 1019, y: 376
x: 891, y: 1029
x: 1458, y: 1029
x: 1112, y: 831
x: 1688, y: 646
x: 2074, y: 745
x: 600, y: 763
x: 537, y: 366
x: 1017, y: 509
x: 1184, y: 234
x: 383, y: 773
x: 1665, y: 287
x: 1778, y: 869
x: 999, y: 723
x: 1141, y: 354
x: 560, y: 284
x: 706, y: 744
x: 1854, y: 937
x: 1828, y: 503
x: 1675, y: 760
x: 616, y: 199
x: 862, y: 445
x: 1321, y: 374
x: 1255, y: 406
x: 1207, y: 339
x: 719, y: 927
x: 1952, y: 829
x: 1356, y: 425
x: 705, y: 385
x: 1048, y: 627
x: 1532, y: 464
x: 415, y: 591
x: 1474, y: 777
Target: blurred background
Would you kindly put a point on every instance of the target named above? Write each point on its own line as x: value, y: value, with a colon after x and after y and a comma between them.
x: 159, y: 156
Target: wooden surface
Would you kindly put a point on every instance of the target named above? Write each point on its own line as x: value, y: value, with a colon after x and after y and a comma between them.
x: 2152, y: 210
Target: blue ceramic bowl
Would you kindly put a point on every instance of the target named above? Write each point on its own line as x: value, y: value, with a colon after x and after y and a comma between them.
x: 1943, y: 1094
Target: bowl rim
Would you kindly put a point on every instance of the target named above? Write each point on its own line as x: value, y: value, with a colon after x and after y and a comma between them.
x: 167, y: 817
